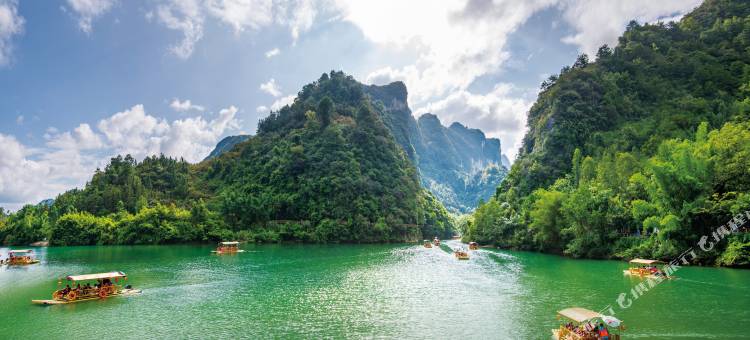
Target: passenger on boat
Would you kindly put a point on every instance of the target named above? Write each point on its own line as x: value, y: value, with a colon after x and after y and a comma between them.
x: 603, y: 332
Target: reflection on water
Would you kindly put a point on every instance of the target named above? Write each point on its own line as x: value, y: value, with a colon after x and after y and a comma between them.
x: 313, y: 291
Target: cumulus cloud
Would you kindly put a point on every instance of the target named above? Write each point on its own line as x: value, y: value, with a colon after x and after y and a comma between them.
x: 272, y: 53
x: 68, y: 159
x: 283, y: 101
x: 456, y: 42
x: 261, y: 109
x: 500, y: 113
x: 182, y: 106
x: 11, y: 24
x: 271, y: 87
x: 88, y: 10
x: 189, y: 17
x: 601, y: 22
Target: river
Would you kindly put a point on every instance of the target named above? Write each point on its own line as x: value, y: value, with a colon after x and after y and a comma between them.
x: 355, y: 291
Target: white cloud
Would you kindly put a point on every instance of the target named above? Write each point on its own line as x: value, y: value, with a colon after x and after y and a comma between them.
x: 81, y: 138
x: 601, y: 22
x: 69, y: 158
x: 283, y: 101
x: 261, y: 109
x: 500, y: 113
x: 455, y: 43
x: 189, y: 17
x: 272, y: 53
x: 19, y: 120
x: 182, y: 106
x: 242, y: 14
x: 88, y: 10
x: 185, y: 16
x: 11, y: 24
x: 271, y: 87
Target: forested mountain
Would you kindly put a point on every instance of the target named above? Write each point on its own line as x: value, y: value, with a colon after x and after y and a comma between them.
x: 460, y: 166
x: 457, y: 164
x: 639, y: 153
x: 323, y: 169
x: 226, y: 144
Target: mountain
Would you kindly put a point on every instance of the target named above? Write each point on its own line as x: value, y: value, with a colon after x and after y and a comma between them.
x: 323, y: 169
x: 460, y: 166
x: 637, y: 154
x: 226, y: 144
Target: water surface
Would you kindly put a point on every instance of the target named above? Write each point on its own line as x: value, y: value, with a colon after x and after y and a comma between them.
x: 353, y: 291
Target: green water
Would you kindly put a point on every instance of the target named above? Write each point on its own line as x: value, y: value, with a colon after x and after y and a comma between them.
x: 354, y: 291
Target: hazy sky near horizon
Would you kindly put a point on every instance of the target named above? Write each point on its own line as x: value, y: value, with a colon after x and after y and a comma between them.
x: 83, y: 80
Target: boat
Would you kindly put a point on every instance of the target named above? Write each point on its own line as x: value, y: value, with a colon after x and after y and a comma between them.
x: 581, y: 324
x: 645, y: 268
x: 21, y: 257
x: 228, y: 247
x: 473, y: 246
x: 461, y: 254
x: 436, y: 241
x: 104, y: 288
x: 427, y: 244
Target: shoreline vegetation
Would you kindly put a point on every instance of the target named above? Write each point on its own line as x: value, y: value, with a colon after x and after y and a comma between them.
x: 638, y: 154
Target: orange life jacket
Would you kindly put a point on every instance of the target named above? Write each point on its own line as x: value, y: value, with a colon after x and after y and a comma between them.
x: 603, y: 332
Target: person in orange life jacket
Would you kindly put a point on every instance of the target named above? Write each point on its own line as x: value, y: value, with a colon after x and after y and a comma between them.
x: 603, y: 332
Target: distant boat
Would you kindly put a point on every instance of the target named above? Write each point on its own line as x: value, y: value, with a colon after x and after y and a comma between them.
x: 230, y: 247
x: 427, y: 244
x: 461, y: 254
x: 645, y: 268
x: 473, y: 246
x: 21, y: 257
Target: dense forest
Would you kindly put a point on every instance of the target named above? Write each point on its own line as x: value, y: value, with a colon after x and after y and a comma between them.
x: 639, y: 153
x: 323, y: 169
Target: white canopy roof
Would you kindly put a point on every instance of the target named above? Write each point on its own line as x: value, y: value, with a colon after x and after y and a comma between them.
x: 109, y: 275
x: 579, y: 314
x: 644, y: 261
x: 20, y: 251
x: 229, y: 243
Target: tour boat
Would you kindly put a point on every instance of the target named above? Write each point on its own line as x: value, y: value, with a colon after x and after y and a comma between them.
x: 231, y: 247
x: 21, y: 257
x: 646, y: 268
x: 427, y: 244
x: 104, y: 288
x: 582, y: 324
x: 473, y: 246
x: 461, y: 254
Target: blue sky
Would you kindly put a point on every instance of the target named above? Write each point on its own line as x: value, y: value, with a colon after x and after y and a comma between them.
x: 83, y: 80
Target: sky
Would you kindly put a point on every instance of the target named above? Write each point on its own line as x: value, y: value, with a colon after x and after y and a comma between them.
x: 84, y: 80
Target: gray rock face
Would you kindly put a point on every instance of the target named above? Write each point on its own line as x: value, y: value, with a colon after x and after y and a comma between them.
x: 461, y: 166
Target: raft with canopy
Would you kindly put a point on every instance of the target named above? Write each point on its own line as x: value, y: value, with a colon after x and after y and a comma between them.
x: 21, y: 257
x: 582, y: 325
x: 646, y: 268
x: 106, y: 286
x: 228, y: 247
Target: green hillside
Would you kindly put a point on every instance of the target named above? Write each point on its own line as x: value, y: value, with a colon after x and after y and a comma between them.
x: 639, y: 153
x: 324, y: 169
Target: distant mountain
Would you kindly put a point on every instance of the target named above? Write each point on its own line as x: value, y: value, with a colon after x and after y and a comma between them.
x: 226, y: 144
x: 460, y: 166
